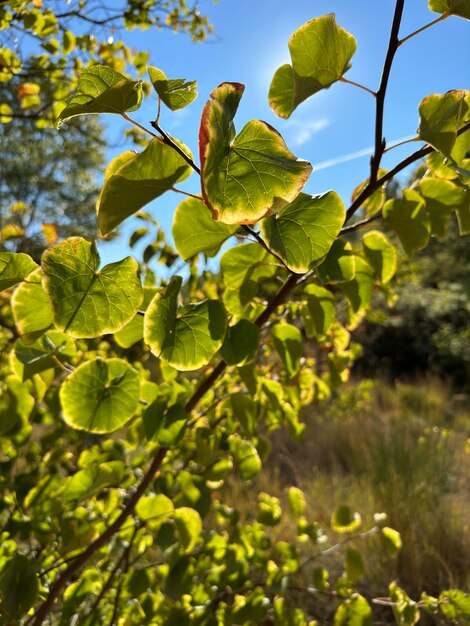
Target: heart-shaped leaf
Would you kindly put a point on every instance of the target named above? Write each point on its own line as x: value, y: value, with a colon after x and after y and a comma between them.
x: 408, y: 218
x: 100, y: 396
x: 86, y: 301
x: 320, y: 51
x: 441, y: 116
x: 241, y: 343
x: 133, y: 180
x: 303, y: 232
x: 14, y: 267
x: 176, y: 93
x: 287, y: 340
x: 381, y: 255
x: 251, y: 176
x: 101, y: 89
x: 195, y: 231
x: 187, y: 337
x: 359, y: 291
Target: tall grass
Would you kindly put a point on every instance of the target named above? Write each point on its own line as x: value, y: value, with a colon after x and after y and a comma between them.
x: 398, y: 450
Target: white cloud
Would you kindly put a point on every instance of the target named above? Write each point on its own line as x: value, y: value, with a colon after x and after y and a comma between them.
x: 304, y: 131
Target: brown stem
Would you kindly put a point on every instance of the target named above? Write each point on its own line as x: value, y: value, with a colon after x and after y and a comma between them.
x: 442, y: 17
x: 169, y: 142
x: 380, y: 98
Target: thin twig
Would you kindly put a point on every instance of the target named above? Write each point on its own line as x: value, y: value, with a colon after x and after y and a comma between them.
x: 186, y: 193
x: 169, y: 142
x: 361, y: 224
x: 146, y: 130
x: 441, y: 18
x: 363, y: 87
x: 262, y: 243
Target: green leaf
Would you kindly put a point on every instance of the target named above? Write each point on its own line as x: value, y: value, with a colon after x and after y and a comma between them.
x: 42, y: 354
x: 165, y: 425
x: 251, y: 176
x: 246, y: 457
x: 381, y: 255
x: 374, y: 203
x: 100, y: 396
x: 187, y: 337
x: 454, y: 7
x: 359, y: 291
x: 133, y: 180
x: 245, y: 410
x: 195, y: 231
x: 355, y: 611
x: 176, y: 93
x: 244, y: 268
x: 288, y: 343
x: 441, y: 116
x: 441, y: 198
x: 344, y: 520
x: 455, y: 605
x: 408, y: 218
x: 240, y: 344
x: 405, y: 610
x: 296, y: 500
x: 354, y: 565
x: 463, y: 215
x: 320, y: 310
x: 87, y: 302
x: 391, y: 540
x: 156, y: 507
x: 303, y: 232
x: 134, y: 330
x: 320, y: 52
x: 93, y: 479
x: 14, y: 267
x: 31, y: 307
x: 189, y: 525
x: 339, y: 265
x: 101, y: 89
x: 19, y: 586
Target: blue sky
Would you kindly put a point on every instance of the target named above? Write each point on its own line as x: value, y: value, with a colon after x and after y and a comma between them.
x: 250, y: 43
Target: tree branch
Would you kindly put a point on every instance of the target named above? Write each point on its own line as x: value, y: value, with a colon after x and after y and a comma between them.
x: 380, y: 99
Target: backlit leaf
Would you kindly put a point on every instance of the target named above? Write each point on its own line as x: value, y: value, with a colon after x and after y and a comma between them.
x: 195, y: 231
x: 344, y: 520
x: 134, y: 330
x: 441, y: 198
x: 101, y: 89
x: 133, y: 180
x: 391, y: 540
x: 176, y: 93
x: 31, y: 307
x: 359, y: 290
x: 381, y: 255
x: 454, y: 7
x: 92, y: 479
x: 320, y: 53
x: 339, y: 265
x: 320, y: 310
x: 164, y: 424
x: 44, y: 353
x: 189, y: 525
x: 244, y: 268
x: 408, y: 218
x: 240, y: 344
x: 303, y: 232
x: 19, y: 586
x: 354, y: 611
x: 187, y: 337
x: 14, y: 267
x: 288, y: 343
x: 86, y: 301
x: 156, y: 507
x: 246, y: 457
x: 100, y: 396
x: 250, y: 176
x: 441, y: 115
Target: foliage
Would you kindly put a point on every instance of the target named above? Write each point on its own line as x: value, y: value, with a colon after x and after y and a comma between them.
x: 65, y: 39
x: 48, y: 179
x: 128, y: 403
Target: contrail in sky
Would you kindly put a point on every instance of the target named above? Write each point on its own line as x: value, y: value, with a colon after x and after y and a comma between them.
x: 354, y: 155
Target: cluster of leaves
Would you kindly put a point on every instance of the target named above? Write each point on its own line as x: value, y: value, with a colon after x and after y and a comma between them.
x: 62, y: 40
x: 127, y: 405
